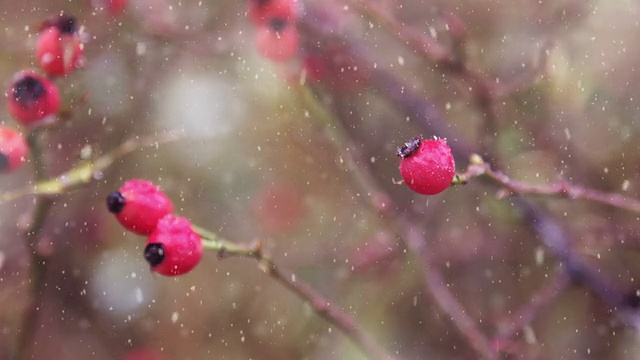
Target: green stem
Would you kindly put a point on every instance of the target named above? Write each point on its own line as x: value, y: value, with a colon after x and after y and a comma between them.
x: 39, y: 262
x: 322, y: 306
x: 36, y: 154
x: 211, y: 241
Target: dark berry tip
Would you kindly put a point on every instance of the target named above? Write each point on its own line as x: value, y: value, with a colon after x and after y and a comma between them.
x: 278, y: 24
x: 28, y: 90
x: 4, y: 163
x: 154, y: 254
x: 67, y: 24
x: 115, y: 202
x: 409, y: 147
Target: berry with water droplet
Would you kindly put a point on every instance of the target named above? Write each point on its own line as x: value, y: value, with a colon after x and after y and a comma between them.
x: 138, y: 206
x: 173, y: 248
x: 427, y: 166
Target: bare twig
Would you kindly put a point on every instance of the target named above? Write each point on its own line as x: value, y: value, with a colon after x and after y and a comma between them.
x: 322, y: 306
x: 508, y: 326
x: 557, y: 189
x: 548, y: 230
x: 482, y: 88
x: 404, y: 228
x: 87, y: 171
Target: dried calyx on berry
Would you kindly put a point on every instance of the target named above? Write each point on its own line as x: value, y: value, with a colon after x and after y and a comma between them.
x: 278, y: 40
x: 154, y: 254
x: 32, y: 99
x: 409, y: 147
x: 138, y: 205
x: 115, y: 202
x: 278, y: 24
x: 427, y: 166
x: 67, y: 24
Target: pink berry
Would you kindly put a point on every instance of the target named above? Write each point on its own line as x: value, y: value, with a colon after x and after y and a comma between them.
x: 139, y: 205
x: 13, y: 149
x: 173, y: 248
x: 59, y: 48
x: 278, y: 40
x: 427, y: 166
x: 32, y: 99
x: 260, y: 12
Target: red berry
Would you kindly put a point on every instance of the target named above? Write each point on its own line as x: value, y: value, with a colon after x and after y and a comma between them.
x: 32, y: 99
x: 173, y: 248
x: 59, y: 49
x: 427, y: 166
x: 111, y: 7
x: 261, y: 11
x: 13, y: 149
x: 278, y: 40
x: 138, y: 206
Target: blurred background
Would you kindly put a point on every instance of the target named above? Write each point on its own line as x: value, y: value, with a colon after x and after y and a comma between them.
x: 254, y: 162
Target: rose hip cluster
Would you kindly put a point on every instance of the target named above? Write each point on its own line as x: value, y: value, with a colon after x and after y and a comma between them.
x: 277, y: 37
x: 32, y: 99
x: 427, y: 166
x: 173, y: 247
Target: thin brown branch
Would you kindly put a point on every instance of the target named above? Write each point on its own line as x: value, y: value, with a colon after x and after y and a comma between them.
x: 439, y: 292
x: 322, y: 306
x: 509, y: 325
x: 534, y: 71
x: 483, y: 92
x: 557, y: 189
x: 483, y: 89
x: 325, y: 309
x: 381, y: 202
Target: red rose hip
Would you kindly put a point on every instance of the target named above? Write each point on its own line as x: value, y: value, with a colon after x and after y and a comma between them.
x: 32, y: 99
x: 59, y: 48
x: 173, y: 248
x: 13, y: 150
x: 138, y: 206
x: 278, y: 40
x: 427, y: 166
x: 260, y: 12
